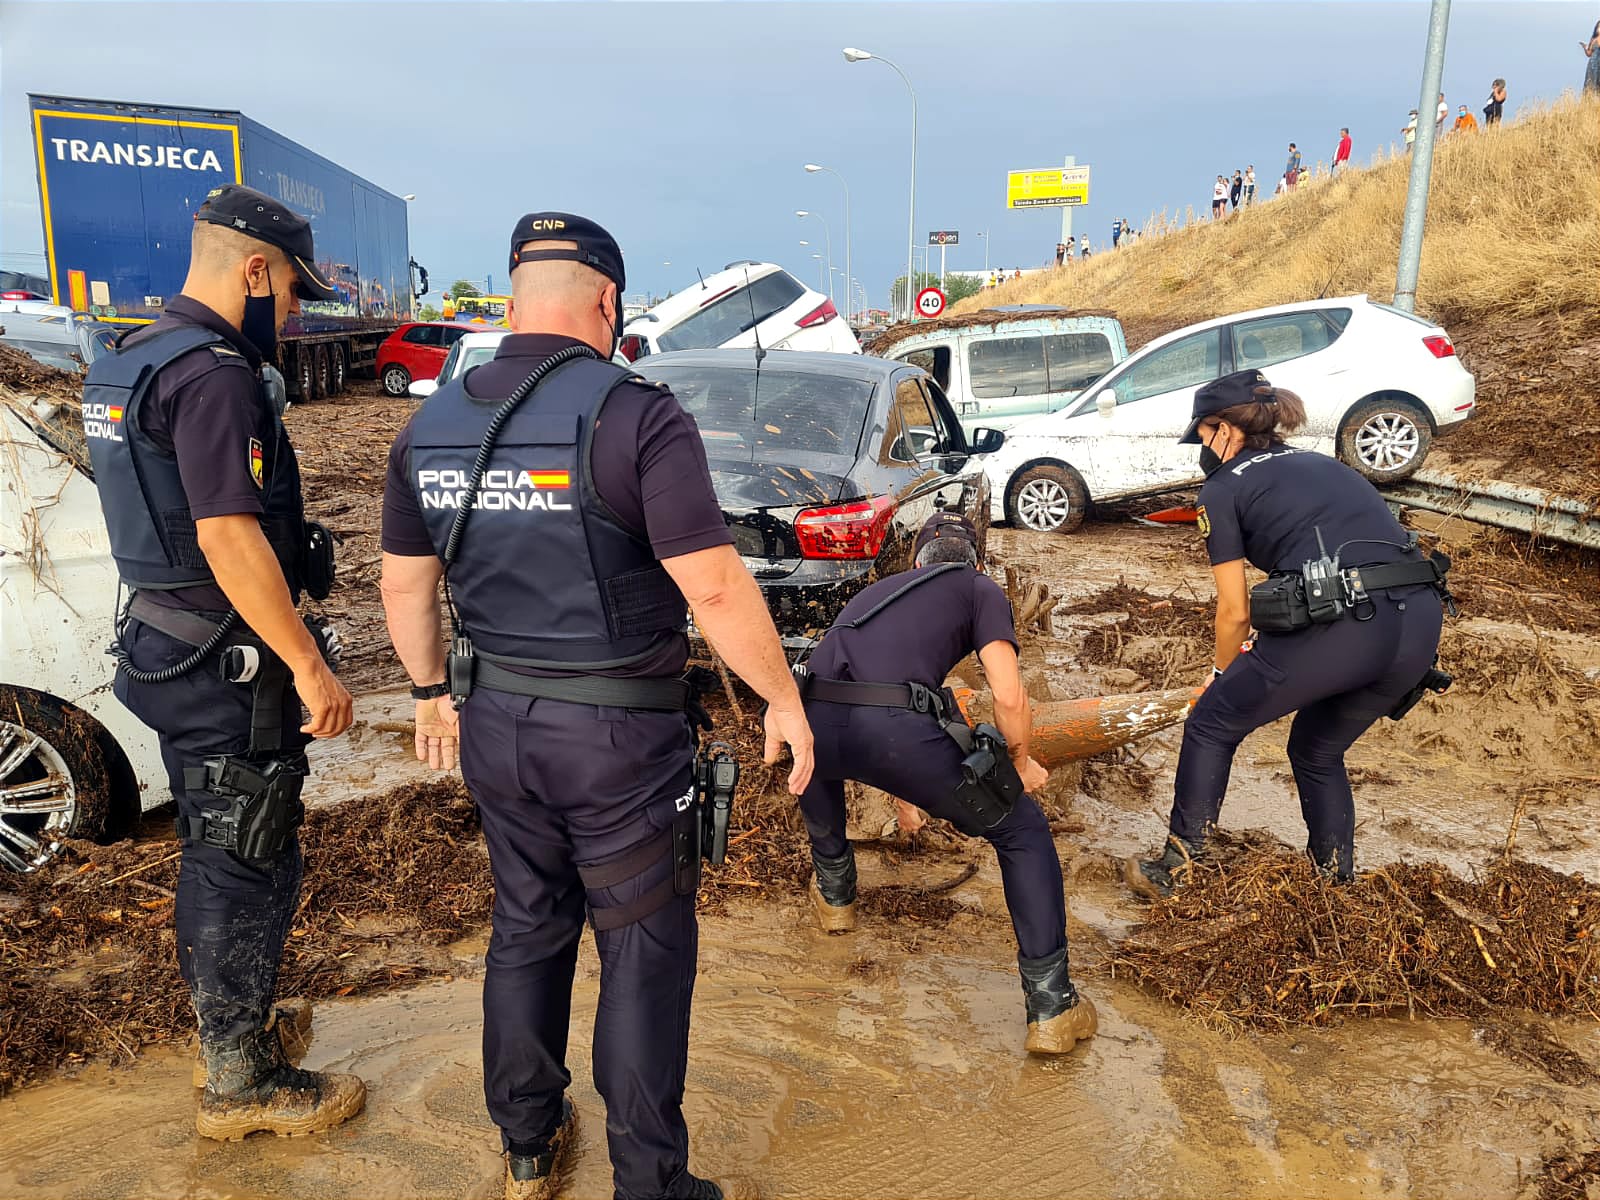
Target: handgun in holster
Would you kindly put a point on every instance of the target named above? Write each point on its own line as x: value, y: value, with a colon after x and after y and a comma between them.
x: 263, y: 812
x: 1434, y: 680
x: 716, y: 780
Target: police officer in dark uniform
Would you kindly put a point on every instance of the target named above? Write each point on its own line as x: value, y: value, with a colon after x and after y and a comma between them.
x: 568, y: 507
x: 1337, y: 666
x: 875, y: 697
x: 201, y: 496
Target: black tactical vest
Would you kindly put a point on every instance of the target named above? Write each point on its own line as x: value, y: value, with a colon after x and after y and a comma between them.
x: 141, y: 493
x: 545, y: 575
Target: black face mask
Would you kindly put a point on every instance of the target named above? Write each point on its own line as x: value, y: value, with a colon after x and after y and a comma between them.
x: 1210, y: 461
x: 616, y: 325
x: 260, y: 321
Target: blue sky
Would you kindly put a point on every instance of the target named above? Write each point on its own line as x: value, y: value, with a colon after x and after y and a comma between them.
x: 683, y: 127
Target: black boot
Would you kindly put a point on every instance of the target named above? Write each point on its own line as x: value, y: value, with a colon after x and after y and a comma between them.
x: 699, y: 1189
x: 251, y: 1088
x: 1157, y: 878
x: 833, y: 891
x: 1058, y: 1018
x: 534, y: 1172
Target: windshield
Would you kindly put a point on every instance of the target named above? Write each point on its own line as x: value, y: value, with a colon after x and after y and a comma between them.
x: 733, y: 313
x: 797, y: 416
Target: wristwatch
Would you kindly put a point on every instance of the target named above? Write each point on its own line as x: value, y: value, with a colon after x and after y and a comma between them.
x: 432, y: 692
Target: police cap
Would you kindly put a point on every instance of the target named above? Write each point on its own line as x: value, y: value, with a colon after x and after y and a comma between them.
x: 1222, y: 394
x: 257, y: 215
x: 944, y: 524
x: 595, y: 247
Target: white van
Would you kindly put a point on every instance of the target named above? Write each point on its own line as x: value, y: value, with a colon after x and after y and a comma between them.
x: 730, y: 308
x: 73, y: 761
x: 1001, y: 365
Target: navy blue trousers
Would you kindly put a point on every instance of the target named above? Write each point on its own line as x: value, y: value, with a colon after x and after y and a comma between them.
x: 232, y: 919
x: 908, y: 755
x: 1337, y: 679
x: 559, y: 785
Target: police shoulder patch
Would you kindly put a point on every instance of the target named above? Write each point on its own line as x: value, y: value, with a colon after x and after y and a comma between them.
x: 1203, y: 521
x: 256, y: 461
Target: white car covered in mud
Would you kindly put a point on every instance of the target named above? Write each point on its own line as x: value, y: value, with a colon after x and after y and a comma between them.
x: 1378, y: 384
x: 73, y: 761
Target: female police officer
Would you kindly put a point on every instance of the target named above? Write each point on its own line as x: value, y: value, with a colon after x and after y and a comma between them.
x: 1361, y: 639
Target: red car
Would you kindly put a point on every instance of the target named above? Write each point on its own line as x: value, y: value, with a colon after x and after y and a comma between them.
x: 417, y: 351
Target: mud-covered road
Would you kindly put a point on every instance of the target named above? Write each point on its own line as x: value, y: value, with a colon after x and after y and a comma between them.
x: 888, y: 1063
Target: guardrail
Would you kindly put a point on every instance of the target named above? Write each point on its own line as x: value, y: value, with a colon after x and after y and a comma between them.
x: 1505, y: 505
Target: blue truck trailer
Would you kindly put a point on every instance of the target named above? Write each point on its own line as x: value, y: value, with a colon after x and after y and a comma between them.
x: 118, y: 188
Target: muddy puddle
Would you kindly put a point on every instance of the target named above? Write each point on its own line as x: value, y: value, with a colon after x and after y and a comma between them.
x: 885, y: 1063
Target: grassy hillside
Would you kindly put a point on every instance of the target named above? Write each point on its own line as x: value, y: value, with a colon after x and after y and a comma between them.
x: 1510, y: 266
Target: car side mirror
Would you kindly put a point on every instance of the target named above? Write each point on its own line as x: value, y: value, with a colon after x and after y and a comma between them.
x: 1106, y: 402
x: 987, y: 441
x: 421, y: 389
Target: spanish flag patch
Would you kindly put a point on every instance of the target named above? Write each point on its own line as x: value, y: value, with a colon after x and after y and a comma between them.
x: 1203, y: 521
x: 256, y: 461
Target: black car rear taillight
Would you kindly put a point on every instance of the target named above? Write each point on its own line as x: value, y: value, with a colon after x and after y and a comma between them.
x: 854, y: 530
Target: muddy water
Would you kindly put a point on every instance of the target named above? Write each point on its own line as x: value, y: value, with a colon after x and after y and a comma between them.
x: 902, y: 1076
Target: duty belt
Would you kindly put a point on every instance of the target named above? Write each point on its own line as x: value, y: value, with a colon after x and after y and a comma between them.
x: 183, y: 624
x: 1392, y: 575
x: 914, y: 697
x: 649, y: 694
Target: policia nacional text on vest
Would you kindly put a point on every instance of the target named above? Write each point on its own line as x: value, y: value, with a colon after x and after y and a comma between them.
x: 556, y: 582
x: 156, y: 548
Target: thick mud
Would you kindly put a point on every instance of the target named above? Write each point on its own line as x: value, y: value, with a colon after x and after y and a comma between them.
x: 889, y: 1062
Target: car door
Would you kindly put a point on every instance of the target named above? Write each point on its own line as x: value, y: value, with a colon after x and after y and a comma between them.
x: 1136, y: 445
x: 1297, y: 351
x: 419, y: 351
x: 967, y: 491
x: 914, y: 454
x: 1073, y: 361
x: 1006, y: 379
x: 936, y: 359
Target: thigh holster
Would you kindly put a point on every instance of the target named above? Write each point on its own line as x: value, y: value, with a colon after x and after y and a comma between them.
x: 680, y: 844
x: 264, y: 808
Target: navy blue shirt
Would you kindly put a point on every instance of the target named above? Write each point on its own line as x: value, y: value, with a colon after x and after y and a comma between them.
x: 206, y: 409
x: 1266, y: 506
x: 922, y: 635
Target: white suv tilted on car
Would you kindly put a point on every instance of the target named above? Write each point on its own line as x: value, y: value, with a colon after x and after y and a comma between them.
x: 730, y: 308
x: 1378, y: 384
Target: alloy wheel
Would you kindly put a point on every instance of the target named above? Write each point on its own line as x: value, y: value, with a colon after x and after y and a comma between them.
x: 38, y: 798
x: 1387, y: 441
x: 1043, y: 505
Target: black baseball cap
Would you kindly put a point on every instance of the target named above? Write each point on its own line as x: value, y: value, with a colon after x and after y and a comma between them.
x: 595, y: 247
x: 1221, y: 394
x: 944, y: 524
x: 258, y: 215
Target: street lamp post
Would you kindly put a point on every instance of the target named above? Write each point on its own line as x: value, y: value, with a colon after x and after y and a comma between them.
x: 849, y: 269
x: 825, y: 284
x: 827, y: 234
x: 985, y: 236
x: 851, y: 54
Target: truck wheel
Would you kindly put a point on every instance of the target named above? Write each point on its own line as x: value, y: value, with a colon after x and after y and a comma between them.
x: 1047, y: 498
x: 322, y: 377
x: 304, y: 377
x: 396, y: 379
x: 337, y: 370
x: 1386, y: 440
x: 54, y: 776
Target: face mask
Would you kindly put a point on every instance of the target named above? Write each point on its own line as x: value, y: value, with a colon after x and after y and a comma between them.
x: 260, y: 321
x: 1210, y: 461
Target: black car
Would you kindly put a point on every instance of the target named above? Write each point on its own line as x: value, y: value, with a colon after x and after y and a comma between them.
x: 826, y: 466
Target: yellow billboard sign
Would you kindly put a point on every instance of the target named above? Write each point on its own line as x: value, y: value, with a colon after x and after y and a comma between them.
x: 1048, y: 187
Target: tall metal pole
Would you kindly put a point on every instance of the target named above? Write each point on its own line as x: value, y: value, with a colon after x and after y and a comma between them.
x: 911, y: 222
x: 848, y: 267
x: 941, y: 266
x: 1405, y: 279
x: 1066, y: 209
x: 828, y: 236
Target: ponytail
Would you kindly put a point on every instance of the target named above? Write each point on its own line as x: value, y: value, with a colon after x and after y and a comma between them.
x: 1265, y: 420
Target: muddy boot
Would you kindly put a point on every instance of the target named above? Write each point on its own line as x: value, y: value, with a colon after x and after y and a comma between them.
x: 290, y: 1020
x: 1156, y: 878
x: 538, y: 1176
x: 699, y: 1189
x: 833, y: 891
x: 251, y: 1088
x: 1058, y: 1018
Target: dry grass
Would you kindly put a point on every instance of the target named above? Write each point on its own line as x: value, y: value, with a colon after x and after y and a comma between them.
x: 1513, y: 231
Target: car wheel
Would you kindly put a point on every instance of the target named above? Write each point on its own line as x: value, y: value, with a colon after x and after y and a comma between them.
x: 304, y: 373
x: 320, y: 371
x: 55, y: 781
x: 396, y: 379
x: 1048, y: 499
x: 1386, y: 440
x: 337, y: 370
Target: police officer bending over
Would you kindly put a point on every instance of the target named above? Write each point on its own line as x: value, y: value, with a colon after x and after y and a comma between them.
x: 874, y: 696
x: 568, y: 558
x: 201, y: 496
x: 1347, y: 623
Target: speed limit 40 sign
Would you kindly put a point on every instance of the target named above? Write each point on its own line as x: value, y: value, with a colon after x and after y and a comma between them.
x: 930, y: 302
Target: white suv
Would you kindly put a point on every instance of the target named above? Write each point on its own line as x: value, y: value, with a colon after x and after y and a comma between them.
x: 1378, y: 384
x: 731, y: 307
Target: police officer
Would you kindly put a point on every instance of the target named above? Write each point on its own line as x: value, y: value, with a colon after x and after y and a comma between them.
x: 1279, y: 508
x: 201, y: 496
x: 568, y: 559
x: 873, y: 693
